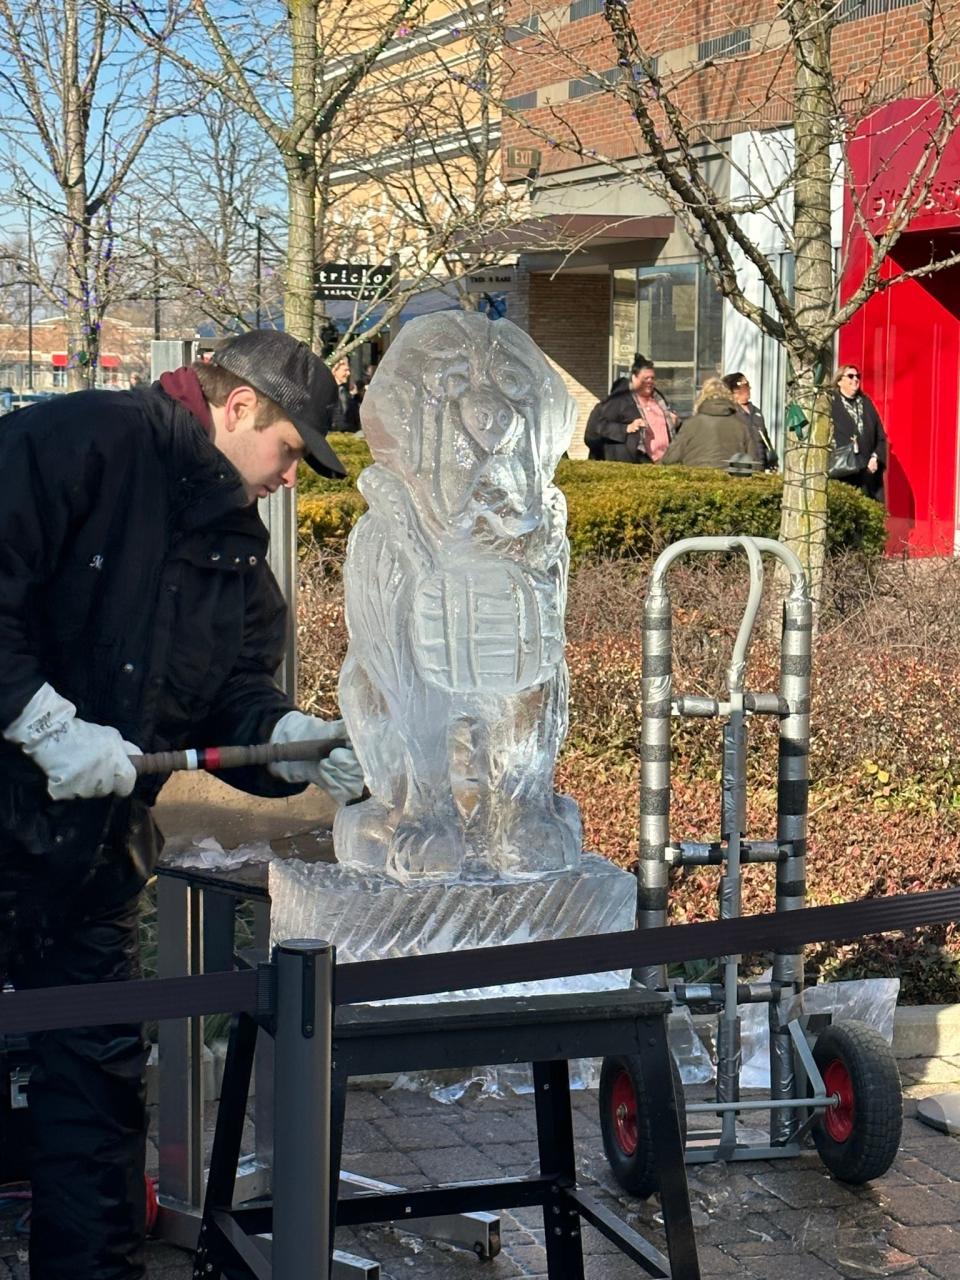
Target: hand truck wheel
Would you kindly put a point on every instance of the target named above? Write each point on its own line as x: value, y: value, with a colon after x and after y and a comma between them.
x: 858, y: 1138
x: 152, y: 1204
x: 625, y: 1123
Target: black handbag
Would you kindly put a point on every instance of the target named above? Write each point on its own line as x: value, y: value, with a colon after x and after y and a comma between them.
x: 844, y: 460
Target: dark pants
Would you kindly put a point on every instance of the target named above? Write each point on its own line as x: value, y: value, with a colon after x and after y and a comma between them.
x: 87, y: 1102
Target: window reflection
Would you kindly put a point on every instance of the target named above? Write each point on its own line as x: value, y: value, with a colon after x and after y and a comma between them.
x: 673, y: 314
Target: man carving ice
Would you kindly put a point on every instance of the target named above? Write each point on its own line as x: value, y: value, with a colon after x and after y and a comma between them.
x: 137, y: 613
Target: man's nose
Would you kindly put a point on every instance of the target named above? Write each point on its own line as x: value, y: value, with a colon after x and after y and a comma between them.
x: 289, y: 477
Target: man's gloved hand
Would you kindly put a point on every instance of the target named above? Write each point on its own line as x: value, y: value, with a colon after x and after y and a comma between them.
x: 339, y: 774
x: 81, y: 760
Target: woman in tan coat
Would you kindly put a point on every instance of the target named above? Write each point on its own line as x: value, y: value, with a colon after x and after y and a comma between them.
x: 713, y: 434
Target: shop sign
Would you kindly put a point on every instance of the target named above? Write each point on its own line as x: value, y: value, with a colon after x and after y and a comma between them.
x: 943, y: 197
x: 356, y: 281
x: 492, y: 280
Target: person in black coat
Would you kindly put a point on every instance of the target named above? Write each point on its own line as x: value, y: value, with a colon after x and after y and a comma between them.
x: 634, y: 423
x: 137, y: 614
x: 761, y: 447
x: 346, y: 411
x: 856, y: 420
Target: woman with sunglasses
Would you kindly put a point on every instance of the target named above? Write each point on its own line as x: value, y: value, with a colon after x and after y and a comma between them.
x: 856, y: 420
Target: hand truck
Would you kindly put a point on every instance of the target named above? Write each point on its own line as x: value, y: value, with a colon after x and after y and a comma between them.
x: 838, y: 1082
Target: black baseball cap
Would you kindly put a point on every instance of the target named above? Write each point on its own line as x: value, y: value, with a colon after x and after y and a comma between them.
x: 287, y: 372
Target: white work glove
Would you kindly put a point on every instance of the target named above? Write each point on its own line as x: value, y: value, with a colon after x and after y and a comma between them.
x: 81, y: 760
x: 339, y: 774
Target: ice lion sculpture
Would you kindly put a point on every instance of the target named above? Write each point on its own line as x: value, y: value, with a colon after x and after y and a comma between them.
x: 454, y: 689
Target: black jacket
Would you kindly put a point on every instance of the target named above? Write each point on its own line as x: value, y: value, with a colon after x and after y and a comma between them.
x: 346, y: 412
x: 871, y: 438
x: 606, y: 433
x: 133, y: 580
x: 761, y: 446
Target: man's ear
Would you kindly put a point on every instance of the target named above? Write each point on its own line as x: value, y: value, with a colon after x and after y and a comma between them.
x: 240, y: 408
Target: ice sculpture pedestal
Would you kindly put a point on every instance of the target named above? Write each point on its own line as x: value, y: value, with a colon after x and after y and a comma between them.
x: 375, y: 917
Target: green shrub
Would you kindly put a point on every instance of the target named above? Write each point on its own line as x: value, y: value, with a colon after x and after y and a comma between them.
x: 616, y: 509
x: 327, y: 518
x: 352, y: 450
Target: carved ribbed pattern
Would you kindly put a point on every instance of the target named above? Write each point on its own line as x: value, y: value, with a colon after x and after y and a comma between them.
x: 374, y: 917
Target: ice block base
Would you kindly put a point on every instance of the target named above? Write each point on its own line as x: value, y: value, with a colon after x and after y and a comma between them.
x: 374, y: 917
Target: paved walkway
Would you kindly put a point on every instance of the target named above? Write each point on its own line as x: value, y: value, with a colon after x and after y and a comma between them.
x: 773, y: 1220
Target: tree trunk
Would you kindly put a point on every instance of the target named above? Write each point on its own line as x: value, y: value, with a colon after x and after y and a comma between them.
x: 81, y: 332
x: 803, y: 522
x: 300, y: 162
x: 803, y: 515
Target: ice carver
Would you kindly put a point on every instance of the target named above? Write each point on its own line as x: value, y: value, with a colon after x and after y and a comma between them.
x: 137, y: 613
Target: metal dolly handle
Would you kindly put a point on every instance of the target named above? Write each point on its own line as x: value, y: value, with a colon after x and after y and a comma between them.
x: 790, y: 704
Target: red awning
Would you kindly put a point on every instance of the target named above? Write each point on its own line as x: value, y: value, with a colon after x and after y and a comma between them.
x: 59, y: 359
x: 109, y: 362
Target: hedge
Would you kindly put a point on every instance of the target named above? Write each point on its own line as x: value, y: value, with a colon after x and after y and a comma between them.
x: 615, y: 509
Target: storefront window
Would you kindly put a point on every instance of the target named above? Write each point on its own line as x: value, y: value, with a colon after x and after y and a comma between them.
x: 624, y: 321
x: 676, y: 320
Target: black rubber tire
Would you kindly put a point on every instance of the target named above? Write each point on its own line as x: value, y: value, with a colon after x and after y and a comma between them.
x: 635, y: 1170
x: 873, y: 1113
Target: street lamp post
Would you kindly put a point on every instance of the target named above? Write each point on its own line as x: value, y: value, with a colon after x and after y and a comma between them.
x: 258, y: 270
x: 156, y: 286
x: 29, y: 296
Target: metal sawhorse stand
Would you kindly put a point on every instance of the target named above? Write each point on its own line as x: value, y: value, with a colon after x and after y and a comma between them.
x: 198, y: 914
x: 546, y: 1031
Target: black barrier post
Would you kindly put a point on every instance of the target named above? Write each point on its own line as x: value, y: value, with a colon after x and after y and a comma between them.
x: 302, y: 1223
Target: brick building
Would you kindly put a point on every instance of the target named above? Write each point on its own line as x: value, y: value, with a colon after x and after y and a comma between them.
x: 124, y: 354
x: 638, y: 283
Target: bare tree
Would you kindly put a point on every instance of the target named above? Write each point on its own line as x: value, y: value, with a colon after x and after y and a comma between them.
x: 381, y: 120
x: 291, y: 70
x: 207, y: 251
x: 684, y: 112
x: 78, y: 102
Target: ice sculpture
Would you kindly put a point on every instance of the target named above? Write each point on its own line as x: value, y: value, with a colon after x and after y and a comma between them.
x: 454, y: 690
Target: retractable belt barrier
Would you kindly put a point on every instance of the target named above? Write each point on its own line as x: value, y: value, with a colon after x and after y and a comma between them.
x: 251, y: 991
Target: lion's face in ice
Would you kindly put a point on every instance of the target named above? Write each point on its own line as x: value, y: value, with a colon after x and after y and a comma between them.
x: 472, y: 417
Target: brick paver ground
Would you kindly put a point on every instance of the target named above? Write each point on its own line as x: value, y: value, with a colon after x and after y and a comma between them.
x: 771, y: 1220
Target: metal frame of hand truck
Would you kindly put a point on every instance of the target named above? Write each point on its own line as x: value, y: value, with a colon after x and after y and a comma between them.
x: 797, y: 1090
x: 196, y: 911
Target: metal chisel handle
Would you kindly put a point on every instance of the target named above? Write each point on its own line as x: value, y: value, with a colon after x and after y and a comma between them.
x: 233, y: 757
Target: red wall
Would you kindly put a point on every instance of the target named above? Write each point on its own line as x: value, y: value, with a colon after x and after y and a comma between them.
x: 906, y: 339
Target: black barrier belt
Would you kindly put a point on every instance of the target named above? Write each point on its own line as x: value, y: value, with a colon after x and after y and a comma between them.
x: 785, y: 931
x: 105, y: 1003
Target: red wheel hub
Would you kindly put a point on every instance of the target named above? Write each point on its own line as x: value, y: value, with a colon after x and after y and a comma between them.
x: 838, y: 1119
x: 623, y: 1104
x: 153, y: 1208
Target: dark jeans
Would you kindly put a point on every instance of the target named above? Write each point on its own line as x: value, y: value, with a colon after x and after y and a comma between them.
x: 87, y: 1100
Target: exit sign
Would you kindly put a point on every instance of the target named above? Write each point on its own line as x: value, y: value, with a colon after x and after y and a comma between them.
x: 523, y: 157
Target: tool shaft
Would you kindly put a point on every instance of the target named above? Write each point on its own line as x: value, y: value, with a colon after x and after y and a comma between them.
x: 210, y: 758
